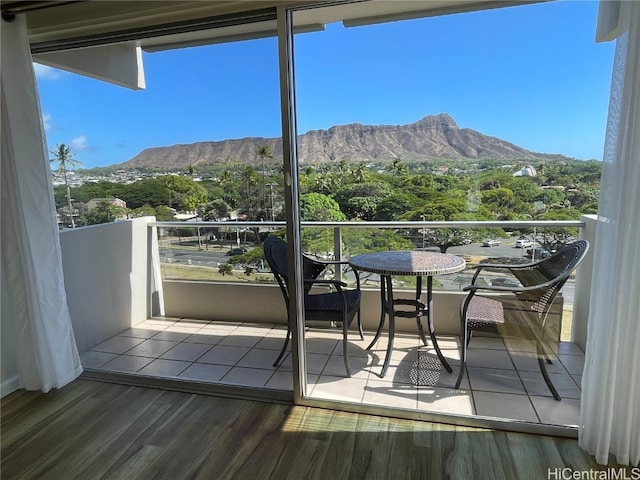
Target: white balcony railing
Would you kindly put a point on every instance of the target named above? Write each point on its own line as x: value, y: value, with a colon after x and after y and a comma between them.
x: 185, y: 297
x: 114, y: 281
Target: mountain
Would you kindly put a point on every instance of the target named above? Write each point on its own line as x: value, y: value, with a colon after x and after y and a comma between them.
x: 433, y: 137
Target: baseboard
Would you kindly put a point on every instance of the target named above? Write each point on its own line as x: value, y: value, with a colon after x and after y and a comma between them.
x: 9, y: 386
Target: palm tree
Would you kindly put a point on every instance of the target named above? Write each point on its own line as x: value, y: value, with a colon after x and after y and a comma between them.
x: 66, y: 161
x: 398, y: 167
x: 249, y: 178
x: 262, y: 153
x: 360, y: 173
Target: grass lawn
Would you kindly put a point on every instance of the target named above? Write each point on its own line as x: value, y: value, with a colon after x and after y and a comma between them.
x: 192, y: 272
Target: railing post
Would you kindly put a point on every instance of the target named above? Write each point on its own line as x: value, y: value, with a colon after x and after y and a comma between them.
x: 337, y: 250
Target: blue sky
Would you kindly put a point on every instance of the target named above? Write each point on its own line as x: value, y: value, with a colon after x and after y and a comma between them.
x: 531, y: 75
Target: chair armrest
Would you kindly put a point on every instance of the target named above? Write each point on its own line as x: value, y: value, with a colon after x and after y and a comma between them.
x: 500, y: 266
x: 495, y: 288
x: 518, y: 266
x: 486, y: 265
x: 491, y: 265
x: 342, y: 262
x: 322, y: 261
x: 333, y: 262
x: 335, y: 283
x: 530, y: 288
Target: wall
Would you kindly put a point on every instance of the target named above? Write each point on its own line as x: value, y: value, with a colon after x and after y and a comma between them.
x: 264, y: 303
x: 583, y: 284
x: 106, y: 271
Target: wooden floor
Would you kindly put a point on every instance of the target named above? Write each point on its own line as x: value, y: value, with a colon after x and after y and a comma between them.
x: 93, y: 430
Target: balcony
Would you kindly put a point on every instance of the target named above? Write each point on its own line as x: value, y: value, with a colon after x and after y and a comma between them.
x: 205, y: 336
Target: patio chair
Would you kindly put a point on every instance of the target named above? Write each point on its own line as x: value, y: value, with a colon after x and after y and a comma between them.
x: 339, y: 305
x: 518, y: 310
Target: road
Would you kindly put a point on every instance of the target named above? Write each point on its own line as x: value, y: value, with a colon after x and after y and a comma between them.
x: 506, y: 249
x: 188, y: 254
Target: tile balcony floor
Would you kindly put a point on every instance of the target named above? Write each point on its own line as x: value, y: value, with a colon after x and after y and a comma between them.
x: 502, y: 380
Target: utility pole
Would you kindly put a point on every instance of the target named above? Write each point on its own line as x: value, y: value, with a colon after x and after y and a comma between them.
x: 272, y: 212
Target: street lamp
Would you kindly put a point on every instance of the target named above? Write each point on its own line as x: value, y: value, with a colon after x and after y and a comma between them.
x: 424, y: 233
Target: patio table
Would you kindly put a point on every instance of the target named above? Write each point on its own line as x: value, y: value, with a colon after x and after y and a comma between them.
x: 414, y: 263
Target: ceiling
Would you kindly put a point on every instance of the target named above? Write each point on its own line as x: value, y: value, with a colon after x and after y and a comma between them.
x: 157, y: 25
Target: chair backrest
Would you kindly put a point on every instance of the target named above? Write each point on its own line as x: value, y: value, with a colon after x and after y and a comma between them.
x: 554, y: 269
x: 275, y: 252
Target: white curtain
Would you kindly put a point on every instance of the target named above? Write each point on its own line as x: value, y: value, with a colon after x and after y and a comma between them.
x: 610, y: 403
x: 46, y: 351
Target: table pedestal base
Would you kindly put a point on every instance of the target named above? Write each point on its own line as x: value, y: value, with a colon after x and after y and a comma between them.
x: 418, y: 311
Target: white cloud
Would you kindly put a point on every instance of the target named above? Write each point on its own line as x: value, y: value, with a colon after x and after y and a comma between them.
x: 46, y: 73
x: 46, y: 121
x: 79, y: 143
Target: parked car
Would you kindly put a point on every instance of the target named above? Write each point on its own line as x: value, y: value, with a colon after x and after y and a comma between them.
x: 524, y: 243
x: 491, y: 243
x: 538, y: 253
x: 236, y: 251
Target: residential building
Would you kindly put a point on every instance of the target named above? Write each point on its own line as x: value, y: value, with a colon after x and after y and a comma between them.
x: 116, y: 202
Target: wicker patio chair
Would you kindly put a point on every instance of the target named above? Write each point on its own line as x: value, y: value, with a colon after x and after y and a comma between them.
x: 510, y: 310
x: 340, y: 305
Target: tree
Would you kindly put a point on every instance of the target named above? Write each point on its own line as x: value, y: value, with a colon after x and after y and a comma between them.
x: 225, y: 268
x: 362, y: 240
x: 215, y: 210
x: 66, y: 161
x: 443, y: 208
x: 324, y: 182
x: 248, y: 200
x: 150, y: 191
x: 363, y: 208
x: 498, y: 199
x: 164, y: 214
x: 187, y: 194
x: 439, y: 208
x: 554, y: 238
x: 398, y: 167
x: 443, y: 238
x: 262, y: 153
x: 360, y: 200
x: 104, y: 212
x: 229, y: 187
x: 551, y: 197
x: 360, y: 173
x: 254, y: 256
x: 394, y: 205
x: 144, y: 211
x: 320, y: 208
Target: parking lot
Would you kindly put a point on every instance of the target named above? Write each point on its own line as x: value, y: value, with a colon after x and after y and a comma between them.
x: 506, y: 248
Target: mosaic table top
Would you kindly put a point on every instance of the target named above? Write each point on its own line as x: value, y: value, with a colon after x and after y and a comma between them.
x: 416, y: 263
